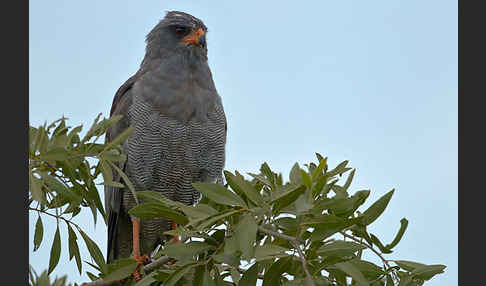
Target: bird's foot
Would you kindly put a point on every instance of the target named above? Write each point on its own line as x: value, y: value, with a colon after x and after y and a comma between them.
x: 141, y: 260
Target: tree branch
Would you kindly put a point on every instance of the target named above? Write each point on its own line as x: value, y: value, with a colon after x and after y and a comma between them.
x: 147, y: 268
x: 296, y: 244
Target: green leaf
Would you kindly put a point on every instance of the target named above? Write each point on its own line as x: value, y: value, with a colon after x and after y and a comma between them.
x: 377, y: 208
x: 243, y: 186
x: 295, y: 175
x: 73, y: 247
x: 156, y: 197
x: 352, y: 271
x: 306, y: 179
x: 370, y: 270
x: 287, y: 196
x: 269, y: 251
x: 35, y: 188
x: 243, y: 237
x: 380, y: 245
x: 147, y: 279
x: 320, y: 167
x: 39, y: 233
x: 119, y: 139
x: 178, y: 274
x: 409, y: 265
x: 57, y: 154
x: 219, y: 194
x: 428, y: 271
x: 126, y: 180
x: 274, y: 273
x: 349, y: 180
x: 153, y: 210
x: 199, y: 212
x: 94, y: 251
x: 250, y: 276
x: 339, y: 248
x: 401, y: 231
x: 229, y: 259
x: 186, y: 251
x: 55, y: 251
x: 120, y: 269
x: 341, y: 168
x: 213, y: 219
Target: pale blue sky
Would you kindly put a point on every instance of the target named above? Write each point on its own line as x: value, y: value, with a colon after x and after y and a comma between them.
x: 373, y: 82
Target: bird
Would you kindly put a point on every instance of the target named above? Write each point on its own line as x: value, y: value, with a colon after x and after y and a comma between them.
x: 179, y: 132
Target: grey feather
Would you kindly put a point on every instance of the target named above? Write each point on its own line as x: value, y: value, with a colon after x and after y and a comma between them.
x: 179, y: 131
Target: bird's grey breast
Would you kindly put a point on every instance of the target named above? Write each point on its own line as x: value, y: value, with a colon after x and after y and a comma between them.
x: 179, y: 132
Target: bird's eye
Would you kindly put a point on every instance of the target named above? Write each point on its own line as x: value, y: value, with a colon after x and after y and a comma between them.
x: 181, y: 31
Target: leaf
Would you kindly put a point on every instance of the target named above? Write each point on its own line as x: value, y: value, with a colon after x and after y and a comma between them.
x: 120, y: 269
x: 119, y: 139
x: 213, y: 219
x: 428, y: 271
x: 186, y: 251
x: 73, y: 247
x: 94, y: 251
x: 153, y: 210
x: 349, y: 180
x: 380, y: 245
x: 268, y: 251
x: 156, y: 197
x: 39, y: 233
x: 57, y: 154
x: 219, y: 194
x: 320, y: 167
x: 408, y: 265
x: 341, y: 168
x: 339, y: 248
x: 306, y: 179
x: 401, y: 231
x: 377, y: 208
x: 352, y: 271
x: 243, y: 237
x: 55, y: 251
x: 370, y: 270
x: 35, y: 189
x: 274, y: 273
x: 286, y: 197
x: 250, y: 276
x: 200, y: 211
x: 295, y: 175
x: 243, y: 186
x: 229, y: 259
x: 178, y: 274
x: 147, y: 279
x: 125, y: 180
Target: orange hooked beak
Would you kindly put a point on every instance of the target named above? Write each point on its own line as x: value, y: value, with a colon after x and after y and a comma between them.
x: 195, y: 37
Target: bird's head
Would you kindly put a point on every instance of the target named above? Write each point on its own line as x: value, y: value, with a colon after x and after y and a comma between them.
x: 178, y: 32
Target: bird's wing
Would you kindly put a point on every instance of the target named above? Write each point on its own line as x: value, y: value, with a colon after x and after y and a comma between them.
x: 113, y: 195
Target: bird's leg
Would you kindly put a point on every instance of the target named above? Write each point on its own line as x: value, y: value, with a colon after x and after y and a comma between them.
x: 141, y: 260
x: 174, y: 227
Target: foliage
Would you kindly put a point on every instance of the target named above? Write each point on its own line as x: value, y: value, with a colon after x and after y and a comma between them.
x: 304, y: 231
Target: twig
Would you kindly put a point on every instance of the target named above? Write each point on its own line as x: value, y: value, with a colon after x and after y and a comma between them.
x: 147, y: 268
x: 296, y: 244
x: 369, y: 247
x: 278, y: 234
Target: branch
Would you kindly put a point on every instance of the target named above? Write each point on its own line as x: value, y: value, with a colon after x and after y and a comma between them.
x: 369, y: 247
x: 296, y: 243
x: 147, y: 268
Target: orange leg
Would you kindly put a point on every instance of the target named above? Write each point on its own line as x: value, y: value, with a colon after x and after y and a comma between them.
x: 174, y: 227
x: 136, y: 247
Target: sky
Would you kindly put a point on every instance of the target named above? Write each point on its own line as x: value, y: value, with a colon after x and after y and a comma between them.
x: 372, y: 82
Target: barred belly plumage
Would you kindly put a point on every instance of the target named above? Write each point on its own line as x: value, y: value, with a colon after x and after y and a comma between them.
x: 166, y: 155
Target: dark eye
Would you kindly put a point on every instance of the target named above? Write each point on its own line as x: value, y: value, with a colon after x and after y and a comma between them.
x: 181, y: 31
